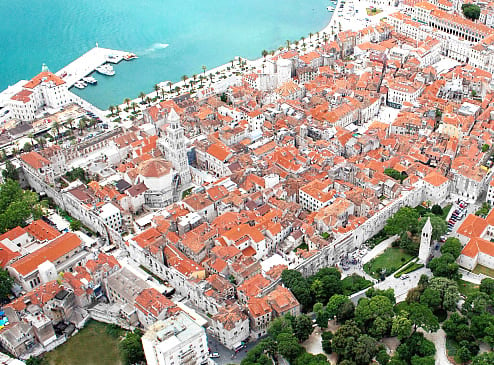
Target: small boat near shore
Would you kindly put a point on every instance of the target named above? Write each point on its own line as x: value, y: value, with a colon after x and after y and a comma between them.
x: 80, y: 84
x: 90, y: 80
x: 106, y: 69
x: 130, y: 56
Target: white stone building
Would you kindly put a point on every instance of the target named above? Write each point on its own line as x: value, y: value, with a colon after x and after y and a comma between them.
x: 177, y: 340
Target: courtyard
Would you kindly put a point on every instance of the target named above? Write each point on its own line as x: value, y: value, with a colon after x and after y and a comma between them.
x: 390, y: 260
x: 91, y: 346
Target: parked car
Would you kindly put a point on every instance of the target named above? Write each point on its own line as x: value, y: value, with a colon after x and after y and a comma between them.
x: 404, y: 277
x: 214, y: 355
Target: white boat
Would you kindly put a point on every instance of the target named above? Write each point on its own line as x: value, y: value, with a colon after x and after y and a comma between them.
x: 130, y: 56
x: 90, y: 80
x: 80, y: 84
x: 106, y: 69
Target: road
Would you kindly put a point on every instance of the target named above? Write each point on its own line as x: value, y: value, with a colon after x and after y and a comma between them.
x: 227, y: 356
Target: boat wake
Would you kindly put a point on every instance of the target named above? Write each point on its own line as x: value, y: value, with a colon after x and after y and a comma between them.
x: 155, y: 47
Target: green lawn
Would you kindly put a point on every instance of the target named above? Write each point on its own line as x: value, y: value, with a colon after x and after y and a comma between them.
x: 467, y: 288
x: 479, y: 269
x: 391, y: 260
x: 91, y: 346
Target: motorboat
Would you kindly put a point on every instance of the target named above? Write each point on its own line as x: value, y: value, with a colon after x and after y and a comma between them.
x: 90, y: 80
x: 106, y: 69
x: 80, y: 84
x: 130, y: 56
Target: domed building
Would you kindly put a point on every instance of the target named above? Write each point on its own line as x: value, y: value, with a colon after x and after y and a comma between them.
x: 158, y: 176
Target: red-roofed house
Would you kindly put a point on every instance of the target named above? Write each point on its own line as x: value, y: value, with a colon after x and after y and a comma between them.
x: 43, y: 265
x: 477, y: 252
x: 151, y: 306
x: 37, y: 164
x: 436, y: 187
x: 230, y: 325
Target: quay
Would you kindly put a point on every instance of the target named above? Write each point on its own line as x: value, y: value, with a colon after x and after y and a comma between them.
x: 88, y: 62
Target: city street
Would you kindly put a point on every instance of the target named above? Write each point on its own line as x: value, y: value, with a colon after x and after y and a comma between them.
x: 227, y: 356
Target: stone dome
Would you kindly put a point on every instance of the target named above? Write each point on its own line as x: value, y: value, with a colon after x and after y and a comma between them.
x: 156, y: 167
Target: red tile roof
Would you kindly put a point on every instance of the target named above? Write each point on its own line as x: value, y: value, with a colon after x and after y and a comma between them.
x: 477, y: 245
x: 46, y: 76
x: 34, y: 159
x: 42, y: 231
x: 51, y: 252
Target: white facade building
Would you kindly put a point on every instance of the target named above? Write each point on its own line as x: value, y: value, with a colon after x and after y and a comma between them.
x: 112, y: 216
x: 176, y: 341
x: 44, y: 90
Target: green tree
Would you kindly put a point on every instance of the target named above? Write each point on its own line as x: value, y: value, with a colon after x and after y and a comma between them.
x: 464, y: 354
x: 131, y: 348
x: 401, y: 327
x: 445, y: 266
x: 322, y: 318
x: 288, y: 346
x: 484, y: 210
x: 483, y: 359
x: 452, y: 246
x: 326, y: 342
x: 448, y: 292
x: 279, y: 325
x: 299, y: 287
x: 10, y: 171
x: 341, y: 307
x: 365, y: 350
x: 75, y: 225
x: 382, y: 357
x: 421, y: 316
x: 487, y: 286
x: 345, y: 339
x: 6, y: 283
x: 375, y: 315
x: 471, y: 11
x: 485, y: 147
x: 404, y: 220
x: 437, y: 210
x: 428, y: 360
x: 142, y: 95
x: 302, y: 327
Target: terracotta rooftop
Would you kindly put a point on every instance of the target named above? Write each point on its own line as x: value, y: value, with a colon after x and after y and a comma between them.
x: 51, y: 252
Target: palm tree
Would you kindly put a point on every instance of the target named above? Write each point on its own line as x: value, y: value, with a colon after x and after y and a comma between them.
x: 288, y: 43
x: 156, y: 88
x: 82, y: 124
x: 204, y: 69
x: 231, y: 62
x: 201, y: 78
x: 127, y: 101
x: 162, y: 93
x: 142, y: 95
x: 41, y: 141
x: 169, y: 83
x: 56, y: 127
x: 310, y: 36
x: 111, y: 108
x: 117, y: 109
x: 264, y: 53
x: 184, y: 79
x: 133, y: 105
x: 70, y: 122
x: 148, y: 100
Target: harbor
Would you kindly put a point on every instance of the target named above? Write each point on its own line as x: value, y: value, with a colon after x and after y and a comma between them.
x: 97, y: 59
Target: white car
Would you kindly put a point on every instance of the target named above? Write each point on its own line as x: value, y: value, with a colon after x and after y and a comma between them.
x: 214, y: 355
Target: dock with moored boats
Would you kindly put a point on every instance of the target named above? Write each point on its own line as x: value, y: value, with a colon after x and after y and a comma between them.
x: 77, y: 73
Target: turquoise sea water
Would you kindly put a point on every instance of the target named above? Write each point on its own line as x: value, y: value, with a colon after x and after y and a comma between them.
x: 171, y: 37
